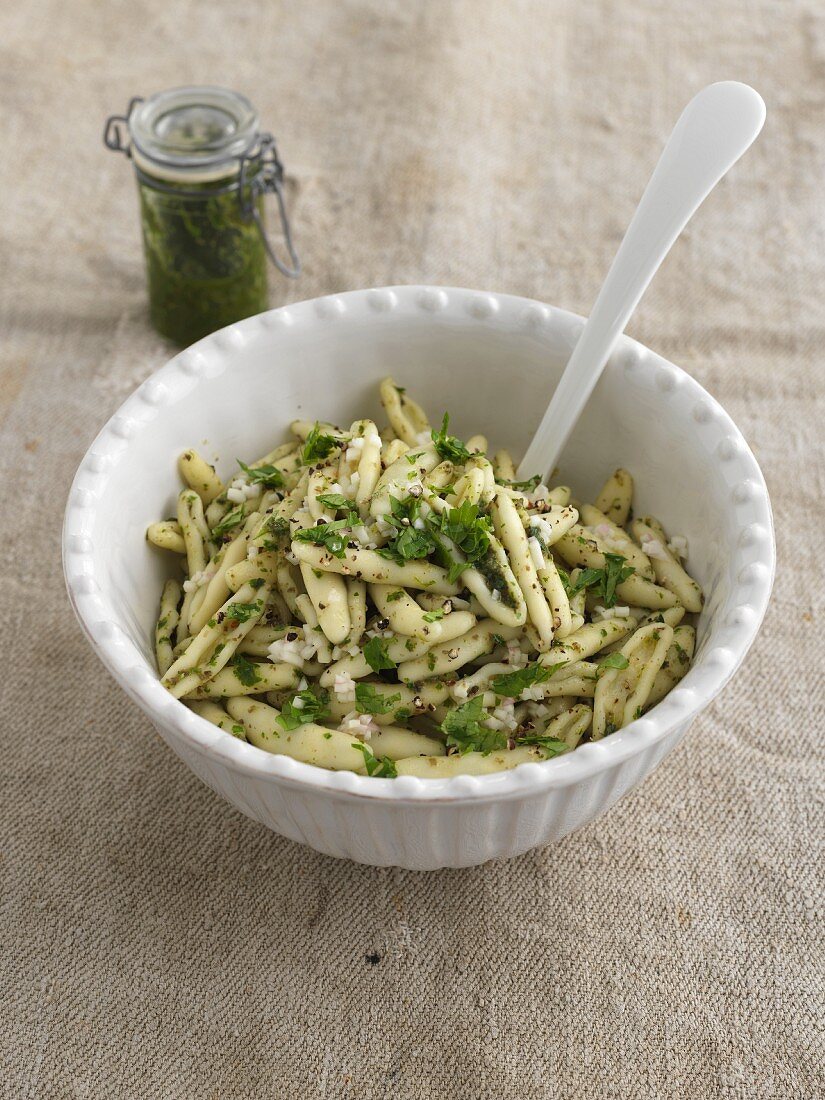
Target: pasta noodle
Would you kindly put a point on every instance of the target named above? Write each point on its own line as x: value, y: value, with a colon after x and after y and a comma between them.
x: 393, y: 602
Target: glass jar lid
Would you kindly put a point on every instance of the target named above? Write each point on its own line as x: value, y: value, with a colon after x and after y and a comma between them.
x: 193, y: 128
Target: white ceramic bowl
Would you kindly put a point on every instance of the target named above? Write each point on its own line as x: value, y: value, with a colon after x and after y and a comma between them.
x: 492, y: 361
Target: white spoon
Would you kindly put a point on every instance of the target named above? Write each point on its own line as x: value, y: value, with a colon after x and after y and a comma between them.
x: 713, y: 132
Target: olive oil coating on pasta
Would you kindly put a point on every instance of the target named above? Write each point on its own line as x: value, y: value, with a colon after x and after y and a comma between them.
x: 390, y: 601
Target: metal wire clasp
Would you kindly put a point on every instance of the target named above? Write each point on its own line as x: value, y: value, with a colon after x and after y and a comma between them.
x: 117, y: 128
x: 268, y: 178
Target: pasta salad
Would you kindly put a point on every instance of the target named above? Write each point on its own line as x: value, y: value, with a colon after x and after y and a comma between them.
x: 395, y: 602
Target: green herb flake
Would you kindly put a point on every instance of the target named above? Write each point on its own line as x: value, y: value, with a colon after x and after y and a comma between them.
x: 370, y: 701
x: 246, y: 670
x: 511, y: 684
x: 270, y: 477
x: 329, y: 535
x: 243, y: 612
x: 378, y: 769
x: 612, y: 660
x: 317, y: 446
x: 604, y: 582
x: 434, y: 616
x: 448, y: 447
x: 230, y: 521
x: 464, y: 729
x: 274, y: 533
x: 398, y: 594
x: 551, y: 745
x: 408, y: 543
x: 469, y: 529
x: 521, y: 486
x: 335, y: 500
x: 615, y: 573
x: 313, y: 708
x: 375, y: 654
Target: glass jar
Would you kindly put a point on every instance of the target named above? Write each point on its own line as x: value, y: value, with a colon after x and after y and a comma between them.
x: 203, y: 168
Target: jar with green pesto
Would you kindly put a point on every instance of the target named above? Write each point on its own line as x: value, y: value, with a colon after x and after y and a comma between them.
x: 203, y: 168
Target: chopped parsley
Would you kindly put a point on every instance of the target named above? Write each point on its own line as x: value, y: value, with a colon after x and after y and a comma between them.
x: 238, y: 730
x: 512, y: 684
x: 329, y: 535
x: 336, y: 501
x: 612, y: 660
x: 521, y: 486
x: 275, y: 532
x: 317, y: 446
x: 398, y: 594
x: 551, y: 745
x: 270, y: 477
x: 465, y: 731
x: 246, y: 670
x: 604, y: 582
x: 407, y: 543
x: 243, y: 612
x: 375, y: 654
x: 434, y: 616
x: 379, y: 769
x: 230, y: 521
x: 448, y: 446
x: 417, y: 537
x: 313, y: 709
x: 615, y: 573
x: 469, y: 528
x: 370, y: 701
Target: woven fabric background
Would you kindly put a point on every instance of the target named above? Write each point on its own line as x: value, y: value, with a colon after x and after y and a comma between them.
x: 155, y: 943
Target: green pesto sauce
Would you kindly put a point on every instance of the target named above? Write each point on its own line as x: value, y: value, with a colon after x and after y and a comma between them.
x: 205, y: 264
x: 490, y: 570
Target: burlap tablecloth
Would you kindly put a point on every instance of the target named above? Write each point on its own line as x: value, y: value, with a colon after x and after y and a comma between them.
x: 158, y: 944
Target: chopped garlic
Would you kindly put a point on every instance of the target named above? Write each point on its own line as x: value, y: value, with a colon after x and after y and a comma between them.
x: 532, y: 694
x: 515, y: 656
x: 600, y: 613
x: 654, y: 549
x: 358, y: 725
x: 460, y: 691
x: 678, y: 545
x: 289, y: 652
x: 240, y: 490
x: 344, y: 687
x: 203, y: 576
x: 536, y: 552
x: 544, y: 528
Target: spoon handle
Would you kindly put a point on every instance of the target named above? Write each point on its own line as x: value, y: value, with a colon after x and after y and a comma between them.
x: 712, y: 133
